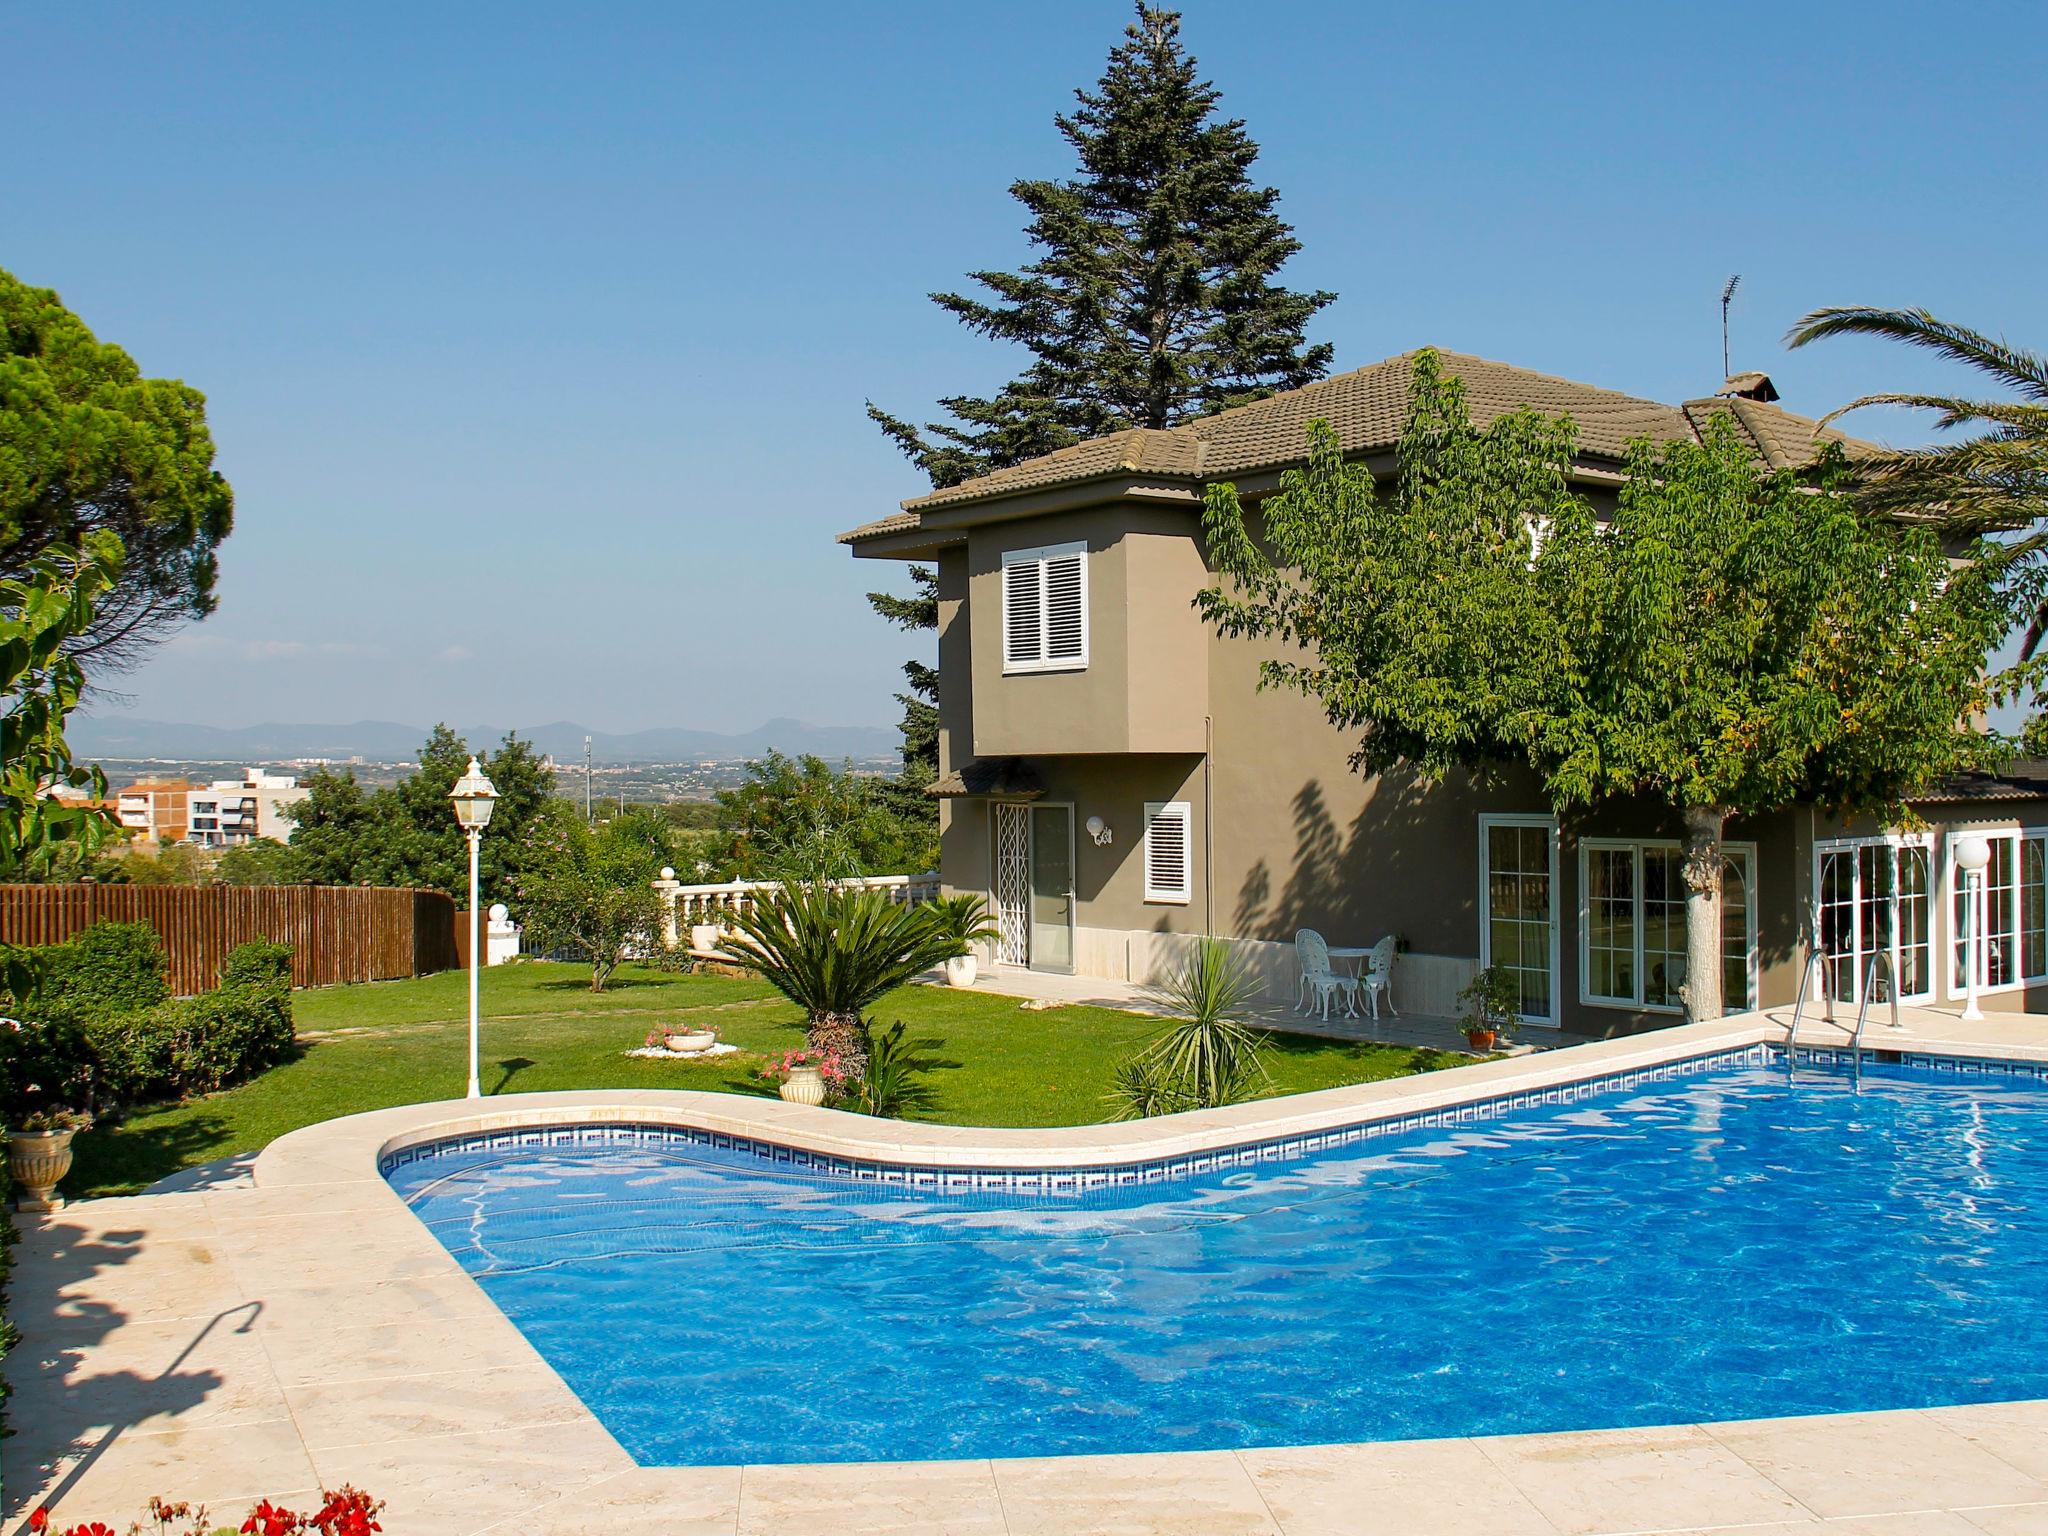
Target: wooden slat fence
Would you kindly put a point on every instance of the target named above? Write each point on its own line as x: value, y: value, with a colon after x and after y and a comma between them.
x: 337, y: 933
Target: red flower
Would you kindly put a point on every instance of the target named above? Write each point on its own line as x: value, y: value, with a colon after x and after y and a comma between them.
x: 267, y: 1519
x: 40, y: 1520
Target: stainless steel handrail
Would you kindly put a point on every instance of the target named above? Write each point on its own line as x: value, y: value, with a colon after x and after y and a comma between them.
x: 1891, y: 992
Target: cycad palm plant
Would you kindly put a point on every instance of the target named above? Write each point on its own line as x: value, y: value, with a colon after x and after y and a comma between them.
x: 832, y: 950
x: 1995, y: 481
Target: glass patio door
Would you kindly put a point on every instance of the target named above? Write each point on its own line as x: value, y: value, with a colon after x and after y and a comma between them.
x: 1519, y: 934
x: 1052, y: 888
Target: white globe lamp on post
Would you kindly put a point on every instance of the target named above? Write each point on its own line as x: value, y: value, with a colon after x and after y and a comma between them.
x: 473, y: 796
x: 1972, y: 854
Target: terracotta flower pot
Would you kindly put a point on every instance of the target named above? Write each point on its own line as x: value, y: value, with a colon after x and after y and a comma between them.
x: 38, y: 1161
x: 1481, y: 1039
x: 804, y: 1085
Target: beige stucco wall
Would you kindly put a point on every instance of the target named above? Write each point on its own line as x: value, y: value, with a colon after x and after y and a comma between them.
x: 1285, y: 834
x: 1144, y: 687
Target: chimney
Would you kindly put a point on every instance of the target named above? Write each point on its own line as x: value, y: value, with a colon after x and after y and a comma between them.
x: 1750, y: 386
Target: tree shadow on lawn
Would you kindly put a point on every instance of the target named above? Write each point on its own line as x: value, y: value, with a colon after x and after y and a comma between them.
x: 617, y: 983
x: 124, y: 1156
x: 1414, y: 1058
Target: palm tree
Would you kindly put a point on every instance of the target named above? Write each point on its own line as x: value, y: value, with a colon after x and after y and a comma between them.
x: 832, y: 950
x: 1993, y: 482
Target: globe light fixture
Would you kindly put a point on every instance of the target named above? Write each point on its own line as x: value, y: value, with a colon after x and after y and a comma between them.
x: 474, y: 796
x: 1972, y: 854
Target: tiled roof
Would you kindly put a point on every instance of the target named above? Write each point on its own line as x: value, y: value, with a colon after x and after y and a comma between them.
x: 1368, y: 408
x: 2026, y: 779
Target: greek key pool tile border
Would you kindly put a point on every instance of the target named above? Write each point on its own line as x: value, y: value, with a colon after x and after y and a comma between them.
x: 1072, y: 1180
x: 1058, y: 1181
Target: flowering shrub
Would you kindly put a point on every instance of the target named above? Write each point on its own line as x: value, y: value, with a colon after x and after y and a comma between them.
x: 779, y: 1067
x: 343, y: 1511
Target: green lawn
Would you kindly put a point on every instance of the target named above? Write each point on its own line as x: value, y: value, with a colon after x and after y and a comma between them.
x: 988, y: 1061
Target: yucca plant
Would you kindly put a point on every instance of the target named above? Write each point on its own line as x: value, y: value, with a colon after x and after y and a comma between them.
x: 1210, y: 1053
x: 833, y: 950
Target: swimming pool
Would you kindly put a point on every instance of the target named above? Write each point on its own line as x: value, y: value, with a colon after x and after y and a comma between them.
x: 1722, y: 1242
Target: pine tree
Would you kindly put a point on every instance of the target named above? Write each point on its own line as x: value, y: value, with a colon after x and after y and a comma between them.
x: 920, y: 726
x: 1152, y: 302
x: 1153, y: 299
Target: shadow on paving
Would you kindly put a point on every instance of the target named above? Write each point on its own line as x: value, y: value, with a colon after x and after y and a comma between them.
x: 62, y: 1421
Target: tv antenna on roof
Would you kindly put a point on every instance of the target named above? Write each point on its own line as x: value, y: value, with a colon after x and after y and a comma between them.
x: 1727, y: 295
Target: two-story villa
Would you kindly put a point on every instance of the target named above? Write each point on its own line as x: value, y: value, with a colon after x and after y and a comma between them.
x: 1113, y: 779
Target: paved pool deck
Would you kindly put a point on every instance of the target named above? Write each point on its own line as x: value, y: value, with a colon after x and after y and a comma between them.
x: 301, y: 1329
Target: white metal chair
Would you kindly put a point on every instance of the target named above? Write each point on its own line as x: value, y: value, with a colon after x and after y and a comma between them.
x: 1318, y: 978
x: 1378, y: 980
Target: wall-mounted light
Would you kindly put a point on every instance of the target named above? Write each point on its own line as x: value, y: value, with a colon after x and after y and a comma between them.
x: 1099, y: 830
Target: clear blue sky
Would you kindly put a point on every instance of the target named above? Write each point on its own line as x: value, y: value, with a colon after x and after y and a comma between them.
x: 535, y: 338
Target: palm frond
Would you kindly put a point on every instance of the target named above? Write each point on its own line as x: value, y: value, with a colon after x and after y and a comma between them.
x: 2021, y: 369
x: 834, y: 950
x: 1956, y: 412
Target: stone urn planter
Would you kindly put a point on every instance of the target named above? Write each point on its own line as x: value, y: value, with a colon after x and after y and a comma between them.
x: 690, y: 1042
x: 703, y: 937
x: 38, y: 1161
x: 960, y: 970
x: 804, y: 1085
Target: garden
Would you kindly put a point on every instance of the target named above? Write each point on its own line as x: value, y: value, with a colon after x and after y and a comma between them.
x: 170, y: 1098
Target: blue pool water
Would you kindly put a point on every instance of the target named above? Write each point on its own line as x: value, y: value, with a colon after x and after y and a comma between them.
x: 1726, y: 1244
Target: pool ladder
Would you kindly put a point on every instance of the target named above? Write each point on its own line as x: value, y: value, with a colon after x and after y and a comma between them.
x: 1815, y: 965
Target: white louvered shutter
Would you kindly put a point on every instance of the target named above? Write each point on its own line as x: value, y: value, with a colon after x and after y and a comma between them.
x: 1168, y: 856
x: 1066, y: 607
x: 1045, y: 609
x: 1023, y: 613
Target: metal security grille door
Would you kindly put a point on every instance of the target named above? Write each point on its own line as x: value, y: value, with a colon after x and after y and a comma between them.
x: 1013, y: 884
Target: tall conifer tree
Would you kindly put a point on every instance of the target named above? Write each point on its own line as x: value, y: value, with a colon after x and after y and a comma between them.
x: 1153, y: 297
x: 1153, y: 300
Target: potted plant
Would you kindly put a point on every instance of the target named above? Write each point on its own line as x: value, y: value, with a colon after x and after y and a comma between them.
x: 1492, y: 1002
x: 39, y: 1155
x: 705, y: 929
x: 689, y: 1041
x: 803, y: 1077
x: 963, y: 918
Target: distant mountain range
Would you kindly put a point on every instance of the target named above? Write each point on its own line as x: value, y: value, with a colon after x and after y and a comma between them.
x: 117, y: 736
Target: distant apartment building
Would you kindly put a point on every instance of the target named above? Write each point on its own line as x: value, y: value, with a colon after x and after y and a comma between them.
x: 217, y: 815
x: 155, y: 812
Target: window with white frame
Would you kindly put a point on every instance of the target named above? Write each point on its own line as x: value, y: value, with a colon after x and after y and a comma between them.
x: 1169, y: 860
x: 2015, y: 910
x: 1518, y: 922
x: 1632, y: 942
x: 1045, y: 609
x: 1874, y: 897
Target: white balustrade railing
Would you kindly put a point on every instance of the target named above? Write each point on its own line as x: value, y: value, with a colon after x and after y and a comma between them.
x: 688, y: 906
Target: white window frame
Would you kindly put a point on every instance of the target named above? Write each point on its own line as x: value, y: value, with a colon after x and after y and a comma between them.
x: 1166, y: 894
x: 1952, y: 887
x: 1488, y: 820
x: 1044, y: 662
x: 1939, y: 954
x: 1637, y: 847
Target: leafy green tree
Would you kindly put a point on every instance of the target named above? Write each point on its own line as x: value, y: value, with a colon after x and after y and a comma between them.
x: 1153, y: 297
x: 406, y: 834
x: 87, y: 444
x: 263, y: 861
x: 1730, y: 642
x: 44, y: 611
x: 588, y: 889
x: 800, y: 819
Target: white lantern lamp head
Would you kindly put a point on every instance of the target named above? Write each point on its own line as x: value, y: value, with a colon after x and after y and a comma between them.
x: 1972, y: 854
x: 1099, y: 830
x: 473, y: 795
